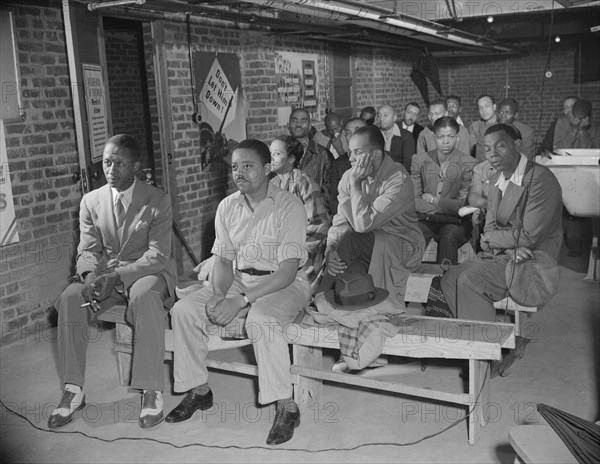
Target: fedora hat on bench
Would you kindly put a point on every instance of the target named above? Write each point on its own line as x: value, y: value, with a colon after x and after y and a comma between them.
x: 354, y: 291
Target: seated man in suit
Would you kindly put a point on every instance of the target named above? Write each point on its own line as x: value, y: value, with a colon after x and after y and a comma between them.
x: 399, y: 143
x: 409, y: 119
x: 331, y: 137
x: 441, y: 180
x: 508, y: 112
x: 316, y: 160
x: 375, y: 229
x: 262, y: 229
x: 427, y: 141
x: 123, y: 257
x: 342, y: 164
x: 580, y: 131
x: 524, y: 215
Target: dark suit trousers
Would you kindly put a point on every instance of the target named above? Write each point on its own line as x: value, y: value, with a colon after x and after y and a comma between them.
x: 145, y: 312
x: 472, y: 288
x: 449, y: 237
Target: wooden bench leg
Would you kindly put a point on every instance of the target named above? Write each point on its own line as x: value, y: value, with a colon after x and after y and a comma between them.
x: 475, y: 408
x: 305, y: 388
x: 124, y: 348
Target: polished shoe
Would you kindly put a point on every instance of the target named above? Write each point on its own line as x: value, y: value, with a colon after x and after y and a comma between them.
x: 72, y: 400
x: 283, y: 426
x: 152, y: 409
x: 190, y: 404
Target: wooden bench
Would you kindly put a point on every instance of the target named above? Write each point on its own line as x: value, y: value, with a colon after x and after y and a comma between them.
x: 418, y: 337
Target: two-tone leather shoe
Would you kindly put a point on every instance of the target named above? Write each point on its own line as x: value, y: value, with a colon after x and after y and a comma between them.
x: 190, y: 404
x: 63, y: 414
x: 152, y: 409
x: 283, y: 426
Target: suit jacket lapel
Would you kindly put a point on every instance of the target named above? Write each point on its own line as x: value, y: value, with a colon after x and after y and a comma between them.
x: 508, y: 203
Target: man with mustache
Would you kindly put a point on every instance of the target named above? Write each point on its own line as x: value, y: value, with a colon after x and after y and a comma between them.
x: 262, y: 229
x: 524, y: 214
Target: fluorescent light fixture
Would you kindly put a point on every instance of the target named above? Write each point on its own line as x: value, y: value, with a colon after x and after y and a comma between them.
x: 95, y: 5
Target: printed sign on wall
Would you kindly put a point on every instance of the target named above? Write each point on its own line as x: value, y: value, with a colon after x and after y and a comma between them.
x: 8, y: 222
x: 95, y: 105
x: 219, y: 103
x: 297, y: 84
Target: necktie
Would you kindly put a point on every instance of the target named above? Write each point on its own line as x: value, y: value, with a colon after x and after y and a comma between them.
x: 119, y: 210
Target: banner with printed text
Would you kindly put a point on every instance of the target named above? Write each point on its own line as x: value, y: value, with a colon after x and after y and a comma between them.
x: 219, y: 101
x: 9, y: 232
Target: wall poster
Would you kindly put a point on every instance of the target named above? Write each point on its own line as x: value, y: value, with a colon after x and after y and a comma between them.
x: 296, y: 84
x: 9, y: 232
x: 220, y: 103
x: 95, y: 105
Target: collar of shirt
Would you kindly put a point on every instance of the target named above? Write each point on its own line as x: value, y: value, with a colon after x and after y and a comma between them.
x: 408, y: 128
x: 127, y: 198
x: 459, y: 121
x: 241, y: 198
x: 517, y: 176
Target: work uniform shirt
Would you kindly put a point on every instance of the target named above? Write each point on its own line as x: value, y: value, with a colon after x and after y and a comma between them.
x: 261, y: 239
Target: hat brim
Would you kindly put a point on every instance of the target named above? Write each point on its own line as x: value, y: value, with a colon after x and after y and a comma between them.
x: 380, y: 295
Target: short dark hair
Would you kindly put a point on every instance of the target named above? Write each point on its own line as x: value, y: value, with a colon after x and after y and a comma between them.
x: 371, y: 111
x: 258, y: 147
x: 412, y: 104
x: 438, y: 101
x: 511, y: 102
x: 127, y: 142
x: 485, y: 95
x: 300, y: 109
x: 375, y: 138
x: 446, y: 121
x: 582, y: 109
x: 293, y: 147
x: 454, y: 97
x: 509, y: 129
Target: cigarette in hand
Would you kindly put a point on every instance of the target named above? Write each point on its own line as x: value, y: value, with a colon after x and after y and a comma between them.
x: 93, y: 305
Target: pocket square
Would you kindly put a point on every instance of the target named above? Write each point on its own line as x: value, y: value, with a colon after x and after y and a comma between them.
x: 140, y: 225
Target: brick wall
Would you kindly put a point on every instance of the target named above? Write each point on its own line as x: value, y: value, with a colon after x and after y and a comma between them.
x: 470, y: 77
x: 42, y: 158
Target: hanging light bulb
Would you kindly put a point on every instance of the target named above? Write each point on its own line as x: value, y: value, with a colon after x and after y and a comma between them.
x: 490, y: 19
x: 557, y: 38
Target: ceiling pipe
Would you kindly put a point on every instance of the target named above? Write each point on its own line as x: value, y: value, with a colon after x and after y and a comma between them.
x: 371, y: 18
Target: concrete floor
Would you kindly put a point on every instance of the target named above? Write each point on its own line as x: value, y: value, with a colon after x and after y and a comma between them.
x: 348, y: 425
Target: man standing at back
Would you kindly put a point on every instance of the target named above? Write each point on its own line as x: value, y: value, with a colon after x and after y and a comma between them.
x: 375, y: 229
x: 399, y: 143
x: 453, y: 106
x: 316, y: 161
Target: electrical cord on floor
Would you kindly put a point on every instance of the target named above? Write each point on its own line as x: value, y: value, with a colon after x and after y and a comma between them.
x: 304, y: 450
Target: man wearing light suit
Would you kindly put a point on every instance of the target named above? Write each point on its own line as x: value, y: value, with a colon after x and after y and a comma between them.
x: 124, y: 256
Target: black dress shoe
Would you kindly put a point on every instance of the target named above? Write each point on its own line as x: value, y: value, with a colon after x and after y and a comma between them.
x: 56, y: 420
x: 283, y: 426
x: 190, y: 404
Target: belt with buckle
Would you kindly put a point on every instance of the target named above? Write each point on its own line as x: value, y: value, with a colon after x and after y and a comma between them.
x: 255, y: 272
